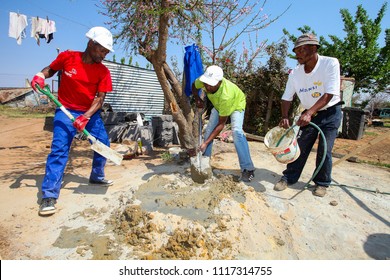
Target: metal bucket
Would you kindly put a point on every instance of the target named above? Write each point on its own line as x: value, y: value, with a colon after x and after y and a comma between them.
x: 287, y: 150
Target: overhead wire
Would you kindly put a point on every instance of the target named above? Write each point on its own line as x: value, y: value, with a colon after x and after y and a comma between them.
x: 55, y: 14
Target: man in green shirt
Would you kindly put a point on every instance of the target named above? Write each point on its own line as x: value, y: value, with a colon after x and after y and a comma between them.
x: 228, y: 101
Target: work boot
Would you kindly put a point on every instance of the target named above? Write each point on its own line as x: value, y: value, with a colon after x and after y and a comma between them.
x: 281, y: 185
x: 47, y: 206
x: 102, y: 182
x: 247, y: 175
x: 319, y: 191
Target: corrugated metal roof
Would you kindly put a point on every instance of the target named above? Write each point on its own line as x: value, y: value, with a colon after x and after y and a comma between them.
x: 7, y: 94
x: 134, y: 90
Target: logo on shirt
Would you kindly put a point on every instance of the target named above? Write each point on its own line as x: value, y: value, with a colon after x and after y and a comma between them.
x: 313, y: 90
x: 316, y: 94
x: 305, y: 90
x: 71, y: 72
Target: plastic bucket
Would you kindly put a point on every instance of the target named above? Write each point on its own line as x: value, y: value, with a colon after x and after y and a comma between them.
x: 288, y: 150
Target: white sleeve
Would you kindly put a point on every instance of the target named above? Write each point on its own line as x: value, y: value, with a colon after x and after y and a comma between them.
x: 332, y: 83
x: 289, y: 91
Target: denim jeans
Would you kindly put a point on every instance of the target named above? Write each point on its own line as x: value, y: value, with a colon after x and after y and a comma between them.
x: 240, y: 142
x: 63, y: 134
x: 328, y: 121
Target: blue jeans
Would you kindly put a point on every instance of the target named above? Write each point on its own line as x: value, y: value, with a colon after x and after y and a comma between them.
x: 240, y: 142
x: 329, y: 122
x: 63, y: 134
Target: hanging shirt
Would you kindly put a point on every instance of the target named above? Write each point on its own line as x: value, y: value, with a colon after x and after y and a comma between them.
x: 36, y: 28
x: 80, y: 81
x: 193, y: 67
x: 17, y: 26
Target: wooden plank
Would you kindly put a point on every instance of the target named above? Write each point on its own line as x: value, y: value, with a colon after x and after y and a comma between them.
x: 358, y: 150
x: 254, y: 137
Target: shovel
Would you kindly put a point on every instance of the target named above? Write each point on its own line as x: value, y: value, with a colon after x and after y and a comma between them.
x: 200, y: 165
x: 97, y: 146
x: 200, y: 138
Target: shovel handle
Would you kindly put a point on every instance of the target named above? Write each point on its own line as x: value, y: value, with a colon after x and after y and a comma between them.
x: 97, y: 146
x: 46, y: 91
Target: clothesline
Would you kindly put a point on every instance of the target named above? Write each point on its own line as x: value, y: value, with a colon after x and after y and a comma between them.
x: 56, y: 15
x: 40, y: 27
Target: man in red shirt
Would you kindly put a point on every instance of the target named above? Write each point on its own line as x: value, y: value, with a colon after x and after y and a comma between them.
x: 84, y: 84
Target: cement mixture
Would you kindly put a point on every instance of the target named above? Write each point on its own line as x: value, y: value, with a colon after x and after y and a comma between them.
x: 200, y: 169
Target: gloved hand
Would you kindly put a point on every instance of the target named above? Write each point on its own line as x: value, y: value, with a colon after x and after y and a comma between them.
x: 80, y: 122
x: 199, y: 103
x: 38, y: 79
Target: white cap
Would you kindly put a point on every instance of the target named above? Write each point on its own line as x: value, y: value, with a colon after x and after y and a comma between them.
x: 101, y: 35
x: 212, y: 76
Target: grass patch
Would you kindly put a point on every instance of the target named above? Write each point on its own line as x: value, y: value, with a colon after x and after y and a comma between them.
x: 369, y: 133
x: 167, y: 157
x: 386, y: 165
x: 27, y: 112
x: 386, y: 122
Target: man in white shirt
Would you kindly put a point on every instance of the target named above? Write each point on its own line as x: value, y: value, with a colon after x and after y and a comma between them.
x: 316, y: 82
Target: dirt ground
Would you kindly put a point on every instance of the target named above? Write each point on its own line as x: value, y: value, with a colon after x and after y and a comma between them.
x: 155, y: 210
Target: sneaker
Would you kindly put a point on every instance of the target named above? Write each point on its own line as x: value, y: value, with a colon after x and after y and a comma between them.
x: 281, y: 185
x: 247, y: 175
x: 102, y: 182
x: 47, y: 206
x: 319, y: 191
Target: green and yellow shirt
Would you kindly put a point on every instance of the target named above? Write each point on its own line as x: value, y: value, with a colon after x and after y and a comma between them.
x: 227, y: 99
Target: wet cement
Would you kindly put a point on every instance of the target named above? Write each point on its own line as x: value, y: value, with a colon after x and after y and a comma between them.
x: 186, y: 213
x: 186, y: 198
x: 200, y: 169
x: 84, y: 241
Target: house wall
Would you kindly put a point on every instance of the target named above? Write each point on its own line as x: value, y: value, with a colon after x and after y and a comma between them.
x: 28, y: 99
x: 134, y: 90
x: 347, y: 86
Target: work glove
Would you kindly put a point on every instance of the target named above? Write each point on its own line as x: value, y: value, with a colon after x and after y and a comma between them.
x: 80, y: 122
x: 38, y: 79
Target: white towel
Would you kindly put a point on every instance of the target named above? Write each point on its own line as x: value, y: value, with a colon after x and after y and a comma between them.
x: 17, y: 26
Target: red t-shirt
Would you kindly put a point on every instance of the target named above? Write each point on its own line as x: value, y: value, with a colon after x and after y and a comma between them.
x: 80, y: 81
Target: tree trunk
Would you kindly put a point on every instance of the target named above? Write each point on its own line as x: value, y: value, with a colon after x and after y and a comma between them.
x: 269, y: 111
x: 183, y: 115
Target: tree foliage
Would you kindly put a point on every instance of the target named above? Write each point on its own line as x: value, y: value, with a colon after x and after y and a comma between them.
x: 264, y: 89
x: 359, y: 52
x: 147, y: 27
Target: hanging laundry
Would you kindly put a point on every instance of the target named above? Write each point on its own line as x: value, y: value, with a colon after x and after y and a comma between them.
x: 50, y: 30
x: 42, y: 29
x: 35, y: 28
x: 17, y: 26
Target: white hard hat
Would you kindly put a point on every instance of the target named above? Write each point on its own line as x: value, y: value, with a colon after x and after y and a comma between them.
x: 101, y: 35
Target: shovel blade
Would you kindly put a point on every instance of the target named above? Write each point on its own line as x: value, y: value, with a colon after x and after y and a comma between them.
x: 107, y: 152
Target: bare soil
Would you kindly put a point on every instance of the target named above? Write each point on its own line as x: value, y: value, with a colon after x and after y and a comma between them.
x: 155, y: 210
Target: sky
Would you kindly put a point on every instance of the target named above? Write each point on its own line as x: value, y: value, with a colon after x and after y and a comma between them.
x: 74, y: 18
